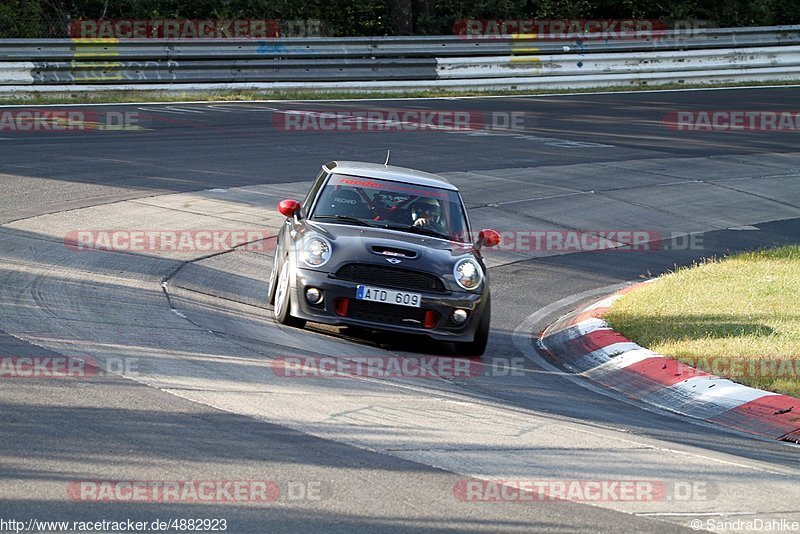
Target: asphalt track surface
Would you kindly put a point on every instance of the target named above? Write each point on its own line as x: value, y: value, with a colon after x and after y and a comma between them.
x: 202, y: 402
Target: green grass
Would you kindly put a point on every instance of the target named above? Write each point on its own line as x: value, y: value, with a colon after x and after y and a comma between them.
x: 110, y: 97
x: 737, y: 317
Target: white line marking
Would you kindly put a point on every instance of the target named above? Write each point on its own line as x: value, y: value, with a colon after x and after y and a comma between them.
x: 165, y: 110
x: 185, y: 110
x: 498, y: 204
x: 692, y: 514
x: 239, y: 109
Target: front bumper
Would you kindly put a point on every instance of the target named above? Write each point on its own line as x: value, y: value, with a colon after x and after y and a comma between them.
x: 391, y: 317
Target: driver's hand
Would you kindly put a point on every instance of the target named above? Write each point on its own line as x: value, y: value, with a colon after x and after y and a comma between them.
x: 422, y: 221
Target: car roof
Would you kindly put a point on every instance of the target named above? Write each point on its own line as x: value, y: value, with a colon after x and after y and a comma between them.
x: 389, y: 172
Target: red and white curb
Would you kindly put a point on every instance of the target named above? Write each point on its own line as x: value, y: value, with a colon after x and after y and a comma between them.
x: 583, y: 343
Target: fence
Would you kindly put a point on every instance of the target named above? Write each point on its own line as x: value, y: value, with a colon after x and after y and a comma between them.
x: 402, y: 63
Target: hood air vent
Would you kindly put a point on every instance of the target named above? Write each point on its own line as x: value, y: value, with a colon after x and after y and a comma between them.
x: 394, y: 252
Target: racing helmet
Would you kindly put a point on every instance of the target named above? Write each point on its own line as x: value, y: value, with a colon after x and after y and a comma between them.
x: 427, y: 208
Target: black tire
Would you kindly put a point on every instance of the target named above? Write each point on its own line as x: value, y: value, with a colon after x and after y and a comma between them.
x: 282, y: 299
x: 477, y: 346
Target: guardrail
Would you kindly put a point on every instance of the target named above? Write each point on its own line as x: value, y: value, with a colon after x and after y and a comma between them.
x: 402, y: 63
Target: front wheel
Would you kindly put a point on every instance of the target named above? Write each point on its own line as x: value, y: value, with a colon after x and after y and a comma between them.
x: 272, y: 285
x: 282, y: 300
x: 477, y: 346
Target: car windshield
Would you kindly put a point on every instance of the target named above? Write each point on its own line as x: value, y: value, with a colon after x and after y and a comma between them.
x: 412, y: 208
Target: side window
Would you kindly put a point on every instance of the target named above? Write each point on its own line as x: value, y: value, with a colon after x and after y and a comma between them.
x: 313, y: 193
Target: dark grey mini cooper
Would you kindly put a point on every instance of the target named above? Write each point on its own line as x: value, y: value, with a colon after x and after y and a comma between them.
x: 383, y: 248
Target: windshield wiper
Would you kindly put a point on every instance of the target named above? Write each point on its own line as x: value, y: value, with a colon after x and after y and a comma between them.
x: 419, y: 230
x: 343, y: 218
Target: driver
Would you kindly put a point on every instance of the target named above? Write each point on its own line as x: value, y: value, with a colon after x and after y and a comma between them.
x: 427, y: 213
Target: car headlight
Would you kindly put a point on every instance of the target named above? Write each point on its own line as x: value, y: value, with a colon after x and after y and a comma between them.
x: 468, y: 274
x: 316, y: 252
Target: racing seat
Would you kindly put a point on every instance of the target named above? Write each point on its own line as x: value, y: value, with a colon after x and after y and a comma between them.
x: 348, y: 203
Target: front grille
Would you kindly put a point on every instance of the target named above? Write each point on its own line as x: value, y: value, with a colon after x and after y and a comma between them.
x: 378, y: 312
x: 393, y: 277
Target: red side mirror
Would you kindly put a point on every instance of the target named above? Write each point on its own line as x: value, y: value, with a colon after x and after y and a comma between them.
x: 288, y: 207
x: 489, y: 238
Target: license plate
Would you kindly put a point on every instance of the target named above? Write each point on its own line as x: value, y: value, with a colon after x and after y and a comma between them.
x: 388, y: 296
